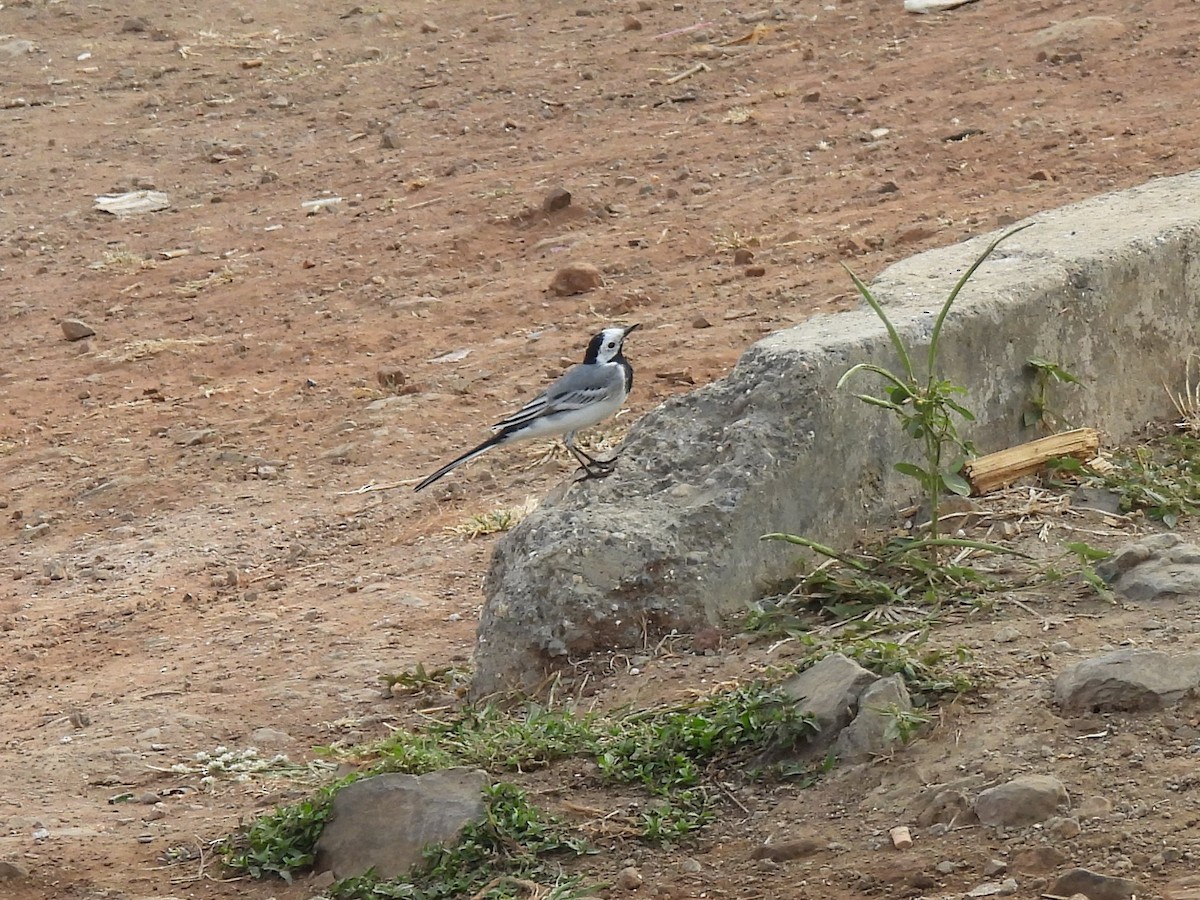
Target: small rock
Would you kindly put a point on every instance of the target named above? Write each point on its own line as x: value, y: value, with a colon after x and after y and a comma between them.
x: 987, y: 889
x: 11, y: 871
x: 743, y: 256
x: 576, y: 278
x: 785, y: 850
x: 1022, y: 801
x: 1008, y: 887
x: 701, y: 322
x: 915, y: 234
x: 385, y: 821
x: 428, y: 27
x: 1063, y: 828
x: 76, y: 329
x: 1131, y: 680
x: 1037, y: 860
x: 994, y: 867
x: 873, y: 729
x: 1093, y: 807
x: 270, y: 738
x: 946, y: 867
x: 559, y: 198
x: 55, y: 569
x: 691, y: 866
x: 629, y: 878
x: 391, y: 139
x: 755, y: 271
x: 810, y: 97
x: 1040, y: 175
x: 1094, y: 886
x: 1185, y: 888
x: 1007, y: 634
x: 829, y: 692
x: 632, y: 23
x: 279, y: 101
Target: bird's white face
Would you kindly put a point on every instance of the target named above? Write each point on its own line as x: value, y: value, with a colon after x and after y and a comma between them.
x: 610, y: 344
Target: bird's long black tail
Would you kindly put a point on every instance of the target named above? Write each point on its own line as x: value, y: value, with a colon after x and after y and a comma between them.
x: 466, y: 457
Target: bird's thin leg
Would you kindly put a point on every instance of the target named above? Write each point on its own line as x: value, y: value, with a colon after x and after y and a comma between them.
x: 591, y: 467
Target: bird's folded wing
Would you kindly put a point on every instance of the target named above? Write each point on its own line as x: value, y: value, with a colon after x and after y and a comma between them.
x: 555, y: 401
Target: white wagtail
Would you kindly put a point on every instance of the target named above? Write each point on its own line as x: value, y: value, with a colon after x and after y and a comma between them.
x: 583, y: 396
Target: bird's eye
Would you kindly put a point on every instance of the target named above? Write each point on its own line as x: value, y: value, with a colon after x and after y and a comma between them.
x: 611, y: 344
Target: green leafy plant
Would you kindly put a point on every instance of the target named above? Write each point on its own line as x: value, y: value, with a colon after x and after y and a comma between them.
x: 1161, y: 478
x: 1045, y: 373
x: 281, y: 842
x: 924, y: 402
x: 1086, y: 554
x: 903, y: 724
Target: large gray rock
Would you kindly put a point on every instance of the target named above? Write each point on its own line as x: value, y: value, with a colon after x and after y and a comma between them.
x: 1022, y: 801
x: 871, y: 732
x: 1127, y: 680
x: 672, y: 540
x: 384, y: 822
x: 829, y: 692
x: 1158, y: 566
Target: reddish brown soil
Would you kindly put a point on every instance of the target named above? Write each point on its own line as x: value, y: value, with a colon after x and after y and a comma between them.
x: 191, y: 470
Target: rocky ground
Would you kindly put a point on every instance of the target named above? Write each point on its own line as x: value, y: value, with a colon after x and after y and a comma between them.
x: 350, y: 282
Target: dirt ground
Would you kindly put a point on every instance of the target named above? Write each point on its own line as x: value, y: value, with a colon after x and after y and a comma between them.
x: 188, y: 560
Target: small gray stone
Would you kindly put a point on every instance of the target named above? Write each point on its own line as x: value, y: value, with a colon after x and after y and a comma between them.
x: 629, y: 879
x: 76, y: 329
x: 1094, y: 886
x: 829, y: 692
x: 1129, y: 680
x: 270, y: 738
x: 1007, y: 634
x: 1022, y: 801
x: 1063, y: 829
x: 872, y: 730
x: 559, y: 198
x: 994, y: 867
x: 12, y: 871
x: 1156, y: 567
x: 384, y: 822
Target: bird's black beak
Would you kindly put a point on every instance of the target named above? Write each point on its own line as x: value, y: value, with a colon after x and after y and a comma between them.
x: 631, y: 329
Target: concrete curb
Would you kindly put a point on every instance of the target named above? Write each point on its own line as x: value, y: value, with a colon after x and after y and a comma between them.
x: 1108, y: 288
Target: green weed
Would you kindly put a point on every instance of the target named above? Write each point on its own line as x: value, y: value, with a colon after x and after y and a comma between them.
x: 925, y: 403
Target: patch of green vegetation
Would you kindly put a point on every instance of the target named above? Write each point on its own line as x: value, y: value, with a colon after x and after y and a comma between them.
x: 281, y: 842
x: 665, y: 752
x: 1160, y: 478
x: 879, y: 587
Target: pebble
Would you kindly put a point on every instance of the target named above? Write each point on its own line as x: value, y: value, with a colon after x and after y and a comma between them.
x: 785, y: 850
x: 559, y: 198
x: 629, y: 878
x: 11, y: 871
x: 1063, y: 828
x: 691, y: 866
x: 76, y: 329
x: 632, y: 23
x: 1007, y: 634
x: 743, y: 256
x: 576, y: 278
x: 1094, y: 885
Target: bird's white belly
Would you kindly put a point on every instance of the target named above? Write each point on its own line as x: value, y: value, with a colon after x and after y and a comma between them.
x: 573, y: 420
